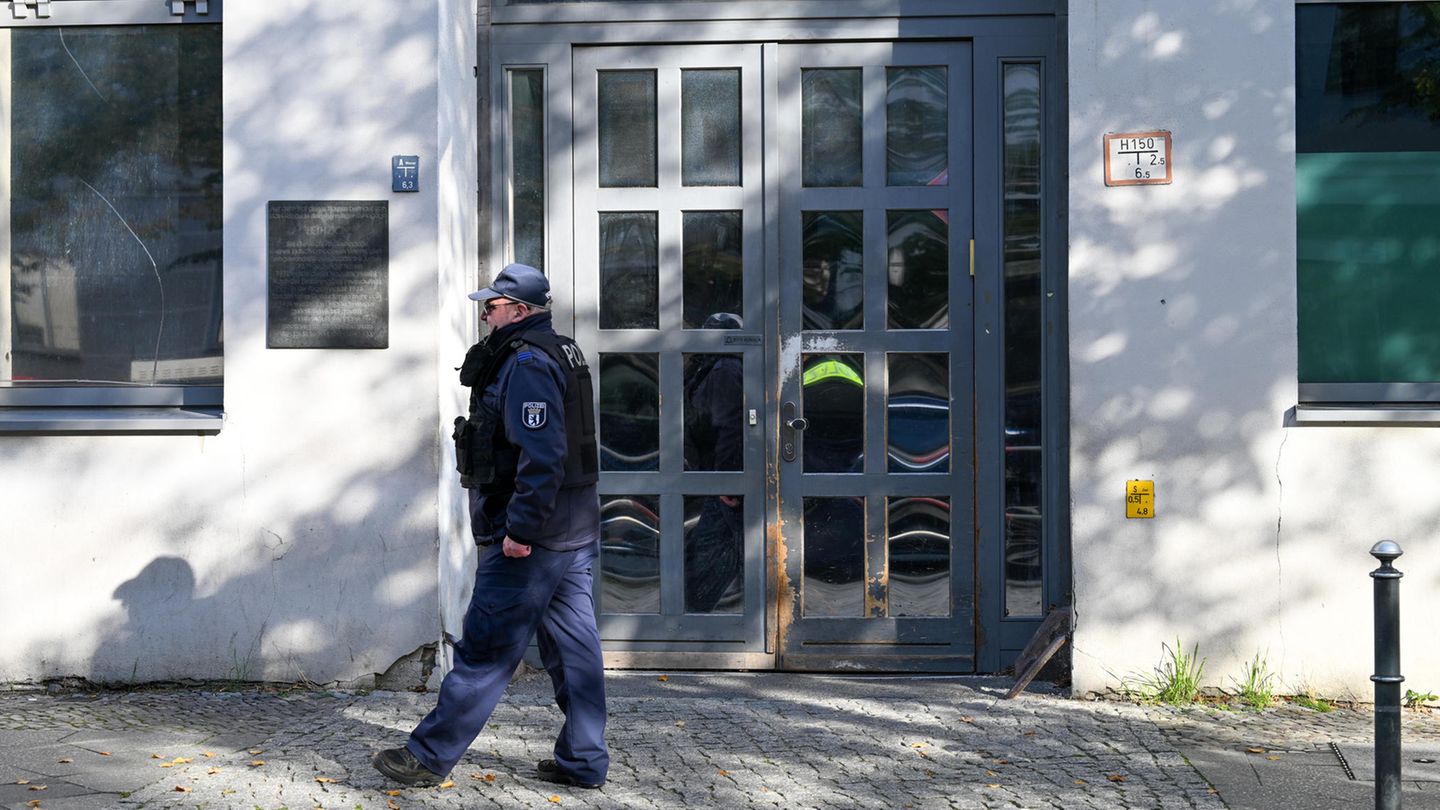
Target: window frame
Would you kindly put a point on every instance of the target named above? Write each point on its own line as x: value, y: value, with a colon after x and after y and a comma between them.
x: 58, y: 407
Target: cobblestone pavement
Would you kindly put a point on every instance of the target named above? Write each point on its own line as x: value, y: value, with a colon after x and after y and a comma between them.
x: 684, y: 740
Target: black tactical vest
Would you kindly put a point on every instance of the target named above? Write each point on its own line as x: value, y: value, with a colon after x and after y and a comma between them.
x: 485, y: 459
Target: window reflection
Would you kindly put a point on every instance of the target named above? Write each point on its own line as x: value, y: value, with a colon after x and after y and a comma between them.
x: 1024, y: 340
x: 916, y: 126
x: 114, y: 204
x: 527, y: 167
x: 919, y: 554
x: 831, y: 127
x: 714, y: 412
x: 629, y: 411
x: 629, y: 270
x: 833, y: 268
x: 710, y: 127
x: 833, y: 401
x: 918, y: 266
x: 714, y: 553
x: 626, y: 127
x: 630, y: 554
x: 713, y: 265
x: 917, y: 413
x: 834, y: 557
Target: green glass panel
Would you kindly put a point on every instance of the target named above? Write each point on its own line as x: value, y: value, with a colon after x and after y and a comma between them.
x: 1368, y: 266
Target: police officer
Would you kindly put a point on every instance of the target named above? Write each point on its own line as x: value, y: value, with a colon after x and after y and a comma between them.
x: 527, y: 454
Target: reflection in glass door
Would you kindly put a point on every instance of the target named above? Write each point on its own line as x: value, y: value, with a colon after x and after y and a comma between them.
x: 876, y: 495
x: 668, y: 223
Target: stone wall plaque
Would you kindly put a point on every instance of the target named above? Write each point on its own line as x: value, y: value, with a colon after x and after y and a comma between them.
x: 329, y: 274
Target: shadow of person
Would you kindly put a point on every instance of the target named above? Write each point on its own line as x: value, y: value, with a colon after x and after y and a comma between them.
x: 161, y: 621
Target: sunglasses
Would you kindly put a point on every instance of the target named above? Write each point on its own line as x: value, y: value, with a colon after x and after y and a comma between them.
x: 492, y: 305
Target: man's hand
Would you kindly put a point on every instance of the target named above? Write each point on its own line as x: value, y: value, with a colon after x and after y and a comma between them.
x: 514, y: 549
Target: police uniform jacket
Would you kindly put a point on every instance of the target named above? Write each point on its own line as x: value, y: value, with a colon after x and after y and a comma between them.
x: 528, y: 396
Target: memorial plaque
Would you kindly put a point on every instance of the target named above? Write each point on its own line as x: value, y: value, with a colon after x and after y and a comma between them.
x: 329, y: 274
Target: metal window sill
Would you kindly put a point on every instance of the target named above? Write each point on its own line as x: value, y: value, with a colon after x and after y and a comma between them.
x: 111, y: 420
x: 1366, y: 414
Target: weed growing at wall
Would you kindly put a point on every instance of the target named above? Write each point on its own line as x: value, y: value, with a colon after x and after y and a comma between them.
x: 1175, y: 680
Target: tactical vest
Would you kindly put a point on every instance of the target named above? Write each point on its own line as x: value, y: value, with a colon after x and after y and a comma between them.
x: 484, y: 457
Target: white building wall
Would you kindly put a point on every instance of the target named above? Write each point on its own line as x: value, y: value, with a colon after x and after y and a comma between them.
x: 300, y: 542
x: 1183, y: 365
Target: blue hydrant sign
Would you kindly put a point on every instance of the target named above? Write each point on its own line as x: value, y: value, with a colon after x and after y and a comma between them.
x: 405, y: 173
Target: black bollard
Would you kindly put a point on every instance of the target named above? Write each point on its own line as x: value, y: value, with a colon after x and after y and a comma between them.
x: 1387, y: 675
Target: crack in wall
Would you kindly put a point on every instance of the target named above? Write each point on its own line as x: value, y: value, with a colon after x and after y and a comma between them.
x: 1279, y: 569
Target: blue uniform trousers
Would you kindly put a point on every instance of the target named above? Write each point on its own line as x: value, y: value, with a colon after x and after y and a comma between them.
x: 547, y: 595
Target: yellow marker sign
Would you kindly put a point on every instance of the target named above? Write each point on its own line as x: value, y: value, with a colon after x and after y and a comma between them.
x: 1139, y: 499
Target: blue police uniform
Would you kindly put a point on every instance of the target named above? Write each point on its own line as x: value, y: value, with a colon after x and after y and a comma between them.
x: 547, y: 595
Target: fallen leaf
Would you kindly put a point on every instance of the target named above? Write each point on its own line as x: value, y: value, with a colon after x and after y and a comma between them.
x: 156, y: 756
x: 1028, y: 734
x: 208, y: 754
x: 181, y: 789
x: 663, y: 678
x: 1272, y: 757
x: 39, y: 787
x: 967, y: 719
x: 325, y: 780
x: 447, y: 784
x: 1002, y: 762
x: 103, y: 753
x: 255, y: 763
x: 22, y: 781
x: 213, y: 771
x: 181, y: 760
x: 556, y: 799
x: 1117, y: 777
x: 929, y: 773
x: 65, y: 761
x: 1255, y: 750
x: 255, y: 752
x: 393, y: 792
x: 917, y: 745
x: 991, y: 773
x: 489, y: 777
x: 1081, y: 782
x: 33, y: 803
x: 390, y: 803
x: 993, y: 785
x: 679, y: 723
x: 722, y: 772
x: 167, y: 764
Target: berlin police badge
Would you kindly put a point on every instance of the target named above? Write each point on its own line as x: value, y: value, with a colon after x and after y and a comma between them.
x: 534, y: 415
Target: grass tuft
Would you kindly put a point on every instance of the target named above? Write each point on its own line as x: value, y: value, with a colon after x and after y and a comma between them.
x: 1257, y: 687
x: 1175, y: 680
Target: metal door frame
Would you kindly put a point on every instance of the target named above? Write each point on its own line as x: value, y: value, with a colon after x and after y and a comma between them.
x: 544, y: 36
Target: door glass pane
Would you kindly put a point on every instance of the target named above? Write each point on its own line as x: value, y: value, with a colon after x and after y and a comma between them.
x: 626, y: 121
x: 919, y: 555
x: 710, y: 127
x: 714, y: 551
x: 113, y: 184
x: 916, y: 126
x: 833, y: 400
x: 1024, y: 335
x: 527, y: 167
x: 714, y: 418
x: 918, y: 264
x: 630, y: 554
x: 831, y: 127
x: 833, y: 266
x: 917, y: 424
x: 629, y: 412
x: 629, y: 270
x: 713, y: 278
x: 834, y: 557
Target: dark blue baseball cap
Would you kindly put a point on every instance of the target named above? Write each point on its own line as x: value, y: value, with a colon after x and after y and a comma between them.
x: 518, y: 282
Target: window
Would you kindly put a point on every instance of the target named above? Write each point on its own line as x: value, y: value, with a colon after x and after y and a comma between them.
x: 110, y: 227
x: 1367, y: 199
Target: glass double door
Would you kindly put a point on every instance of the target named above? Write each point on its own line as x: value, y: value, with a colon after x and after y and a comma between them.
x: 771, y: 276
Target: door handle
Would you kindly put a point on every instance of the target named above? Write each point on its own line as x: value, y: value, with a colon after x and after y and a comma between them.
x: 790, y: 425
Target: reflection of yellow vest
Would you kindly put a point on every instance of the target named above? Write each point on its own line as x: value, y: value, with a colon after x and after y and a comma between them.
x: 831, y: 369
